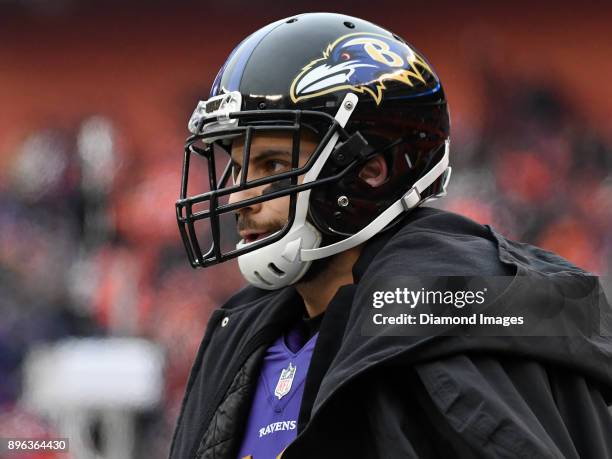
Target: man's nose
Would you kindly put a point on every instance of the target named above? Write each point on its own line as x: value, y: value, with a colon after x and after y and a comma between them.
x: 243, y: 195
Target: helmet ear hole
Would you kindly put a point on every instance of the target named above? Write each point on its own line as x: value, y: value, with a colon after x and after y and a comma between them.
x: 375, y: 171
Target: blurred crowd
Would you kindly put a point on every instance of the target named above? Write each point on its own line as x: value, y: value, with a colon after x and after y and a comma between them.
x: 89, y: 244
x: 537, y: 171
x: 89, y: 247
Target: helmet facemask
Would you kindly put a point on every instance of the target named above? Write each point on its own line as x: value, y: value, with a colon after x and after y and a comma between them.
x: 208, y: 217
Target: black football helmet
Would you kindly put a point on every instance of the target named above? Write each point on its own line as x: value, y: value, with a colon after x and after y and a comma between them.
x: 362, y: 91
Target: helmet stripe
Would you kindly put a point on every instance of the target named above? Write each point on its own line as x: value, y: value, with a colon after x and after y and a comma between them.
x: 237, y: 62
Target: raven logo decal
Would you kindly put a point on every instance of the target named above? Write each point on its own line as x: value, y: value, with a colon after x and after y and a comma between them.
x: 361, y: 62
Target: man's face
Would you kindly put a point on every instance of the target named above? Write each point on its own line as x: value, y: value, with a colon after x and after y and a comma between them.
x: 270, y: 154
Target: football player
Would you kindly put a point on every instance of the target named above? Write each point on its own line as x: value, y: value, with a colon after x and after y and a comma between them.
x: 322, y: 138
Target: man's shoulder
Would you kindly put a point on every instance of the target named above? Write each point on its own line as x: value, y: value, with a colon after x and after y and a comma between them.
x: 442, y: 224
x: 437, y: 242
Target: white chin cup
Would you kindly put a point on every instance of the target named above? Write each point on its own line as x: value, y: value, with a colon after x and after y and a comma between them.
x: 284, y: 265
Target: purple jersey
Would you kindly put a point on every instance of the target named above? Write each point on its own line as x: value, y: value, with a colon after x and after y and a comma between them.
x: 273, y: 418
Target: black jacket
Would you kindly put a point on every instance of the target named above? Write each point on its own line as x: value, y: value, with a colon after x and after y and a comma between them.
x: 401, y: 397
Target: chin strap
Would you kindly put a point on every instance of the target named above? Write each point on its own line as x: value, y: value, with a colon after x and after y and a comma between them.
x: 408, y: 201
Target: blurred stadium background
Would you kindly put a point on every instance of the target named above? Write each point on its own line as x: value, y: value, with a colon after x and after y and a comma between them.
x: 100, y: 314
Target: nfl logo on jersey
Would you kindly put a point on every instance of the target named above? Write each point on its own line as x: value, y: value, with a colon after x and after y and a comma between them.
x: 284, y: 382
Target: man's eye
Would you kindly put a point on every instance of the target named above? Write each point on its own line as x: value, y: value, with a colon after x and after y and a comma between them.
x: 276, y: 166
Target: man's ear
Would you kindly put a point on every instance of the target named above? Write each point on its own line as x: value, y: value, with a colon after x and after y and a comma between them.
x: 374, y: 172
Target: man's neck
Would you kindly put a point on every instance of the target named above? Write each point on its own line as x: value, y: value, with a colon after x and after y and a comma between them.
x: 319, y: 291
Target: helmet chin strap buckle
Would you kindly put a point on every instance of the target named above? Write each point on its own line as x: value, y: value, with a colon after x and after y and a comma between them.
x: 411, y: 199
